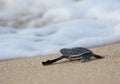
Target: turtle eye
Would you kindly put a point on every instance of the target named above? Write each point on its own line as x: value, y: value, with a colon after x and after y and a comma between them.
x: 63, y: 51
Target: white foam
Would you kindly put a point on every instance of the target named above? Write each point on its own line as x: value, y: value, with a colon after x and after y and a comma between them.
x: 63, y: 23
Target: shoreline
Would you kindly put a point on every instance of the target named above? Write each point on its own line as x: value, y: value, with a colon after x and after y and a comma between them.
x: 31, y: 71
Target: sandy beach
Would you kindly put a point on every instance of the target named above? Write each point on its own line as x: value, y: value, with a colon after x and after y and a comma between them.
x: 31, y: 71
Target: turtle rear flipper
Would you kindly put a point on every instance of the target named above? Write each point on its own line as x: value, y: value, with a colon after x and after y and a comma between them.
x: 97, y: 56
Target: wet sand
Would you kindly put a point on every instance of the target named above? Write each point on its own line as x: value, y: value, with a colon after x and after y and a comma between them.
x: 31, y: 71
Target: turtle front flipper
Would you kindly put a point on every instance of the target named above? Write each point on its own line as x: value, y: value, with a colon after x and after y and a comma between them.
x: 48, y: 62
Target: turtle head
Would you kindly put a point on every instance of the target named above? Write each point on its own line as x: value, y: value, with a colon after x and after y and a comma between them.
x: 64, y: 51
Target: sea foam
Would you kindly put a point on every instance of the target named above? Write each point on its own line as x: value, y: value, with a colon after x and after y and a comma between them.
x: 40, y: 27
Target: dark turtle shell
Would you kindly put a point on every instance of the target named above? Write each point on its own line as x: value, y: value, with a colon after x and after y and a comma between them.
x: 76, y: 51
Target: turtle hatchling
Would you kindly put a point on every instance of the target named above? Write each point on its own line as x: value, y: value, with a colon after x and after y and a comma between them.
x: 76, y: 53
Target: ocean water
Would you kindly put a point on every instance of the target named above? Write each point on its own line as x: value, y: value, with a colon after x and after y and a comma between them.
x: 40, y: 27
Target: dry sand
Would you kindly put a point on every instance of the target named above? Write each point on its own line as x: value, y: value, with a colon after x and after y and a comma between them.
x: 30, y: 70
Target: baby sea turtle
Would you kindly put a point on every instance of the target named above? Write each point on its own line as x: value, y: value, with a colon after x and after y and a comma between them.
x: 76, y: 53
